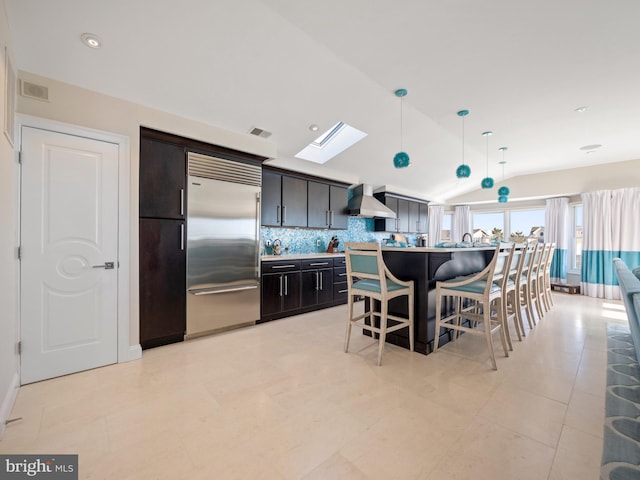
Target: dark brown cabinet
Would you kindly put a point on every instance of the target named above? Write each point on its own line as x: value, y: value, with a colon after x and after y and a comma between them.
x: 340, y: 288
x: 162, y: 235
x: 411, y: 215
x: 280, y: 288
x: 284, y: 200
x: 327, y: 206
x: 300, y: 286
x: 162, y: 281
x: 317, y: 282
x: 162, y: 179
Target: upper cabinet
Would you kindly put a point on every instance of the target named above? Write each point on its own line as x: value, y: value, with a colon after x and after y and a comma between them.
x: 296, y: 201
x: 284, y: 200
x: 162, y: 179
x: 411, y: 214
x: 327, y: 206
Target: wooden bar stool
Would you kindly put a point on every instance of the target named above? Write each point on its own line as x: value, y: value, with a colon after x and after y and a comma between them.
x: 368, y: 276
x: 482, y: 289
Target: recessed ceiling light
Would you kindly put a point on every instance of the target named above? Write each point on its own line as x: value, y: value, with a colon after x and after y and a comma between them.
x: 581, y: 109
x: 591, y: 147
x: 91, y: 40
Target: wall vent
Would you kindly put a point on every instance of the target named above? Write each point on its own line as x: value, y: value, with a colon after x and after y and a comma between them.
x: 259, y: 132
x: 31, y: 90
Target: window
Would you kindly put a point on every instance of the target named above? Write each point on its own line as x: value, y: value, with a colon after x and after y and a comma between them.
x: 576, y: 254
x: 332, y: 142
x: 445, y: 235
x: 530, y: 223
x: 488, y: 226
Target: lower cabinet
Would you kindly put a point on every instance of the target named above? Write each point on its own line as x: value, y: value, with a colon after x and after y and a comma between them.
x: 317, y: 282
x: 280, y: 293
x: 162, y: 286
x: 340, y: 288
x: 299, y: 286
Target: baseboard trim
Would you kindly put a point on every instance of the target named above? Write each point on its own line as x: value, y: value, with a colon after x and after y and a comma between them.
x: 8, y: 401
x: 135, y: 353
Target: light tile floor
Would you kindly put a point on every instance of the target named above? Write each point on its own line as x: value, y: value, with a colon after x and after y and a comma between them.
x: 282, y: 401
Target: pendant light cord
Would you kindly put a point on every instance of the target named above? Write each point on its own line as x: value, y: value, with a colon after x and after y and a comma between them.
x: 401, y: 127
x: 463, y: 139
x: 487, y: 155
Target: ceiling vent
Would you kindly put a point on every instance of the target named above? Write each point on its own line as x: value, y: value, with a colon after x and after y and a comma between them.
x: 31, y: 90
x: 258, y: 132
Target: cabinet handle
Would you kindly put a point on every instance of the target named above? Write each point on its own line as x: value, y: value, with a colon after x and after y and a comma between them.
x: 326, y: 217
x: 278, y: 214
x: 343, y: 291
x: 318, y: 264
x: 182, y: 201
x: 286, y: 285
x: 321, y: 281
x: 317, y: 281
x: 342, y: 274
x: 284, y: 214
x: 182, y: 236
x: 330, y: 217
x: 282, y: 266
x: 280, y: 285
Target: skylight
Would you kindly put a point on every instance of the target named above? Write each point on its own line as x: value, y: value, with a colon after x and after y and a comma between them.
x: 332, y: 142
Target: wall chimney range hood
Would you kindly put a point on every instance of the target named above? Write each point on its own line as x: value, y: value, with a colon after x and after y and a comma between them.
x: 363, y: 204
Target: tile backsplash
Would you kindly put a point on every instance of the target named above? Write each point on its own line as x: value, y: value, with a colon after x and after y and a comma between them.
x: 305, y: 240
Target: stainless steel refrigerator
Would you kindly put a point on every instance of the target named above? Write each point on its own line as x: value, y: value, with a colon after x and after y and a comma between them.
x: 223, y: 238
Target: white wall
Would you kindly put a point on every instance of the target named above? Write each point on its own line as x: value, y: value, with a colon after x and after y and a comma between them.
x: 8, y: 243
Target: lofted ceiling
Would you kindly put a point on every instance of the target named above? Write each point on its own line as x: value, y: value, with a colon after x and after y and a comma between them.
x: 520, y: 68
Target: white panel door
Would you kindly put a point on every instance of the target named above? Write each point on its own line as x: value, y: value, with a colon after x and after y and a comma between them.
x: 69, y: 231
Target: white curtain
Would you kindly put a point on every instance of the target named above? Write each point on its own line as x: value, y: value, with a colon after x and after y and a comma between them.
x: 461, y: 223
x: 557, y: 227
x: 436, y: 213
x: 611, y: 228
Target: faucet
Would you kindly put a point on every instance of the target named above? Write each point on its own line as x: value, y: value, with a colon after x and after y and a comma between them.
x: 470, y: 237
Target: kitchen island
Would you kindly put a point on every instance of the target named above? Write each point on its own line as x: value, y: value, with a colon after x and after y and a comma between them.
x: 425, y: 266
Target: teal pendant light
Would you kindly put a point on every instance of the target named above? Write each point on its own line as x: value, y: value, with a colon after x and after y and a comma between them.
x: 487, y: 182
x: 463, y: 171
x: 503, y: 192
x: 401, y: 159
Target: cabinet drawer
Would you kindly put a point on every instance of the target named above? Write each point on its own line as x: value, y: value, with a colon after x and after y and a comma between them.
x: 340, y: 292
x: 339, y: 274
x: 280, y: 266
x: 339, y: 262
x: 315, y: 263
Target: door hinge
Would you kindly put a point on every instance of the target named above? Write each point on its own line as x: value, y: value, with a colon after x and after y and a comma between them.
x: 19, y: 252
x: 20, y: 157
x: 19, y: 347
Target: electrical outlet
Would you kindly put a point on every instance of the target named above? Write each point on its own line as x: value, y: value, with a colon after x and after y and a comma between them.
x: 318, y: 242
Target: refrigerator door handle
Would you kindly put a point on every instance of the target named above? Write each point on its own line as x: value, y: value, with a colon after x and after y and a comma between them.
x: 258, y: 219
x: 182, y: 236
x: 215, y: 291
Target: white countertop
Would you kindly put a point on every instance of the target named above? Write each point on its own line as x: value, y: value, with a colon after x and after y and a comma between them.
x: 299, y: 256
x: 435, y: 249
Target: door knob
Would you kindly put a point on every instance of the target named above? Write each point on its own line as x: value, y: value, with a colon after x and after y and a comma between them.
x: 106, y: 266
